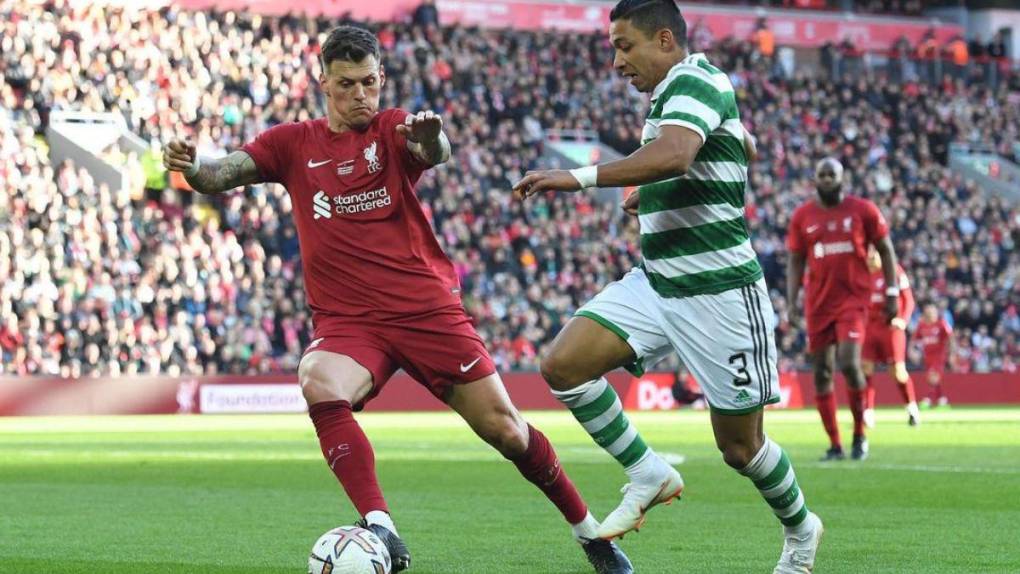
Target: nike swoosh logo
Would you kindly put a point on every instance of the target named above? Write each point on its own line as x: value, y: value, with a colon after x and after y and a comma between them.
x: 812, y: 228
x: 312, y: 164
x: 465, y: 368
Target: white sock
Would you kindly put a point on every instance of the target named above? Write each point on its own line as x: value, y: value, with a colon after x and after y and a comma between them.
x: 585, y: 530
x: 646, y: 469
x: 382, y: 519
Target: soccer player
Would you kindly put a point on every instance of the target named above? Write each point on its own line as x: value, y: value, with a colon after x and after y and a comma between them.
x: 699, y: 290
x: 383, y: 294
x: 886, y: 342
x: 938, y: 347
x: 830, y: 235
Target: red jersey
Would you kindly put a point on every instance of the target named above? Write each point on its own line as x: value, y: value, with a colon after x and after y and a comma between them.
x: 835, y: 243
x: 934, y: 338
x: 876, y: 313
x: 367, y: 249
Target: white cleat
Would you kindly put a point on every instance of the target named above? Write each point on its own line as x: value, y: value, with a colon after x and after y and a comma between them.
x: 799, y: 551
x: 638, y: 498
x: 869, y: 418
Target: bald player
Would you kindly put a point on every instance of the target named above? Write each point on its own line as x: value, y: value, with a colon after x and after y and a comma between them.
x: 829, y: 236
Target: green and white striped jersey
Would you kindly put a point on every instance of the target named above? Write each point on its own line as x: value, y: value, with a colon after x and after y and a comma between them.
x: 693, y: 236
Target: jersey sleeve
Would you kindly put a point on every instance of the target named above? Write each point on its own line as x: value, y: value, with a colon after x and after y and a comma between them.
x: 270, y: 150
x: 794, y: 236
x: 692, y: 100
x: 875, y: 226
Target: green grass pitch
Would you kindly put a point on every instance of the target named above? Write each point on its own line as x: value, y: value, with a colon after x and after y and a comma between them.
x: 203, y: 494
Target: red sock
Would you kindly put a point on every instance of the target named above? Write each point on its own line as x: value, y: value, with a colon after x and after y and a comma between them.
x: 540, y: 466
x: 857, y: 408
x: 907, y: 391
x: 869, y: 397
x: 827, y: 409
x: 348, y: 454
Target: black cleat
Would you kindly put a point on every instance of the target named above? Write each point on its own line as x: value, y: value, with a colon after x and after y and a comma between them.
x: 859, y: 451
x: 606, y: 557
x: 913, y: 420
x: 834, y: 453
x: 399, y: 555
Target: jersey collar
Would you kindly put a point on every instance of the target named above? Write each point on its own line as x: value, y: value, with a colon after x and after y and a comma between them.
x: 691, y: 60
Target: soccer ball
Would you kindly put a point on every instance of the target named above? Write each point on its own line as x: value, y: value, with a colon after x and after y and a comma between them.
x: 349, y: 550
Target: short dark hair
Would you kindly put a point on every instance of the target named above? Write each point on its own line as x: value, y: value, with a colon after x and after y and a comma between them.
x: 649, y: 16
x: 350, y: 44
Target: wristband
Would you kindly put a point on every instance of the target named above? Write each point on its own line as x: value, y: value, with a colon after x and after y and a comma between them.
x: 193, y: 170
x: 587, y: 176
x: 892, y: 291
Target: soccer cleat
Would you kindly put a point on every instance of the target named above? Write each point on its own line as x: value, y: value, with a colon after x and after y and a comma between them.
x: 799, y: 551
x: 606, y: 557
x: 834, y: 453
x: 869, y: 418
x: 913, y: 415
x: 638, y: 498
x: 859, y: 450
x: 943, y: 403
x: 399, y: 554
x: 926, y: 403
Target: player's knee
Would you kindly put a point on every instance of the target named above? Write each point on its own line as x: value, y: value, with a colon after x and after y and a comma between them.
x: 558, y: 372
x: 901, y: 374
x: 738, y: 454
x: 506, y: 434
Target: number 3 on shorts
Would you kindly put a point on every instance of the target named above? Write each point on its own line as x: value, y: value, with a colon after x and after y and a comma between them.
x: 743, y: 378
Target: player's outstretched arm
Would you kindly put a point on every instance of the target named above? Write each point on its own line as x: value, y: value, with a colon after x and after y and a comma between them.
x: 667, y: 156
x: 425, y: 137
x: 208, y: 175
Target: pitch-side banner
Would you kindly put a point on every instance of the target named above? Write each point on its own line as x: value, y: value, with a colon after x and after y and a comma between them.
x: 791, y: 28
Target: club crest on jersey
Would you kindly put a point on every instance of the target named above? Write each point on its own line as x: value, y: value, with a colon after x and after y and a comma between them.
x: 847, y: 223
x: 372, y: 158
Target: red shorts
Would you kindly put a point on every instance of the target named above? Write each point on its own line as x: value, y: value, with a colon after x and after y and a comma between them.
x: 438, y: 350
x: 884, y: 344
x: 936, y: 364
x: 825, y: 331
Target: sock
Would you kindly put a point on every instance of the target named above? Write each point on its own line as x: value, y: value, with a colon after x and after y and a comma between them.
x: 598, y: 409
x: 540, y: 466
x: 869, y: 398
x: 827, y: 409
x: 857, y: 408
x: 907, y: 391
x: 382, y: 519
x: 587, y: 529
x: 773, y: 475
x: 349, y: 454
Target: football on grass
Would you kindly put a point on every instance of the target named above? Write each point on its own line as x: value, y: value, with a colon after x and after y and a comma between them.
x: 349, y: 550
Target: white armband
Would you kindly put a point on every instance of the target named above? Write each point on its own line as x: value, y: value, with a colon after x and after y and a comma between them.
x: 587, y: 176
x: 193, y: 170
x: 892, y: 291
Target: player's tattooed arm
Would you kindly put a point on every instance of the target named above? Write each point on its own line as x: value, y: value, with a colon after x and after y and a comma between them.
x: 208, y: 175
x: 219, y: 175
x: 425, y: 137
x: 432, y: 152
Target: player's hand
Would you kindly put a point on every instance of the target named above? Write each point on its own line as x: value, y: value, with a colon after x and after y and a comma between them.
x: 899, y: 323
x: 179, y: 155
x: 631, y: 202
x: 545, y: 180
x: 421, y: 127
x: 892, y: 307
x: 793, y: 316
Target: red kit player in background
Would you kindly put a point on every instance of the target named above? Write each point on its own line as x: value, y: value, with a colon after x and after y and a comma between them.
x: 885, y: 342
x: 383, y: 294
x: 830, y: 235
x: 937, y: 346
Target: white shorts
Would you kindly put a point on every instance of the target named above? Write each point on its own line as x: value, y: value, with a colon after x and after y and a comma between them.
x: 726, y: 339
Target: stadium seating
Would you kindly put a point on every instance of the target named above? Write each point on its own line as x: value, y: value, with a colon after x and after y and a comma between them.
x: 148, y: 280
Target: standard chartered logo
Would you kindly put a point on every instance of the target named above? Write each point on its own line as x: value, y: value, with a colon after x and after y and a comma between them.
x: 351, y: 204
x: 320, y: 204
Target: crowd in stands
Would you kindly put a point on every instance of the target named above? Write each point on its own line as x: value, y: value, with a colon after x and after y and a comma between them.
x: 151, y: 279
